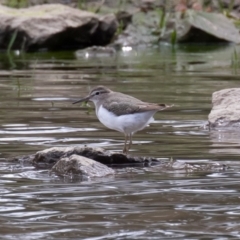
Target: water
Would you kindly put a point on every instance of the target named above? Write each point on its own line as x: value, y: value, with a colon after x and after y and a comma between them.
x: 36, y: 92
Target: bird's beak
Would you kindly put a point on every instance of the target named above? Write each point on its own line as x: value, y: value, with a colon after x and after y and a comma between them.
x: 82, y: 100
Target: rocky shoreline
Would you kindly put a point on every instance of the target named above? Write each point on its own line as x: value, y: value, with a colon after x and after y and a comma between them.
x: 56, y: 26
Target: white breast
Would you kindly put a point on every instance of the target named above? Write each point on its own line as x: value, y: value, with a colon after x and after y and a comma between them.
x: 128, y: 123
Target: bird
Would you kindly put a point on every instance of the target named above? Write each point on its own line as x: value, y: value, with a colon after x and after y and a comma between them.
x: 122, y: 112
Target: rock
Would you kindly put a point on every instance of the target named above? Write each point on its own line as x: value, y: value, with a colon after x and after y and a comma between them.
x: 48, y: 157
x: 81, y: 166
x: 54, y: 27
x: 86, y: 162
x: 199, y: 26
x: 95, y: 51
x: 124, y: 18
x: 189, y: 26
x: 225, y: 112
x: 25, y: 159
x: 195, y: 166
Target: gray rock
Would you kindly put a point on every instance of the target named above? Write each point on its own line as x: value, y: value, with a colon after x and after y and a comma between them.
x: 86, y: 162
x: 48, y: 157
x: 82, y: 167
x: 195, y: 166
x: 200, y: 26
x: 54, y: 26
x: 226, y: 109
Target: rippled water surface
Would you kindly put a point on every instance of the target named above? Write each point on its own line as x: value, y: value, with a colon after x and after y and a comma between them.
x: 36, y: 112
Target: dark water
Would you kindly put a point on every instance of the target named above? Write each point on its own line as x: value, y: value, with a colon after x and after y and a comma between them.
x: 36, y: 91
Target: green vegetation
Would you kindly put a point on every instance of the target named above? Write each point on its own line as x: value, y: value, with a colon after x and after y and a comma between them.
x: 84, y: 5
x: 174, y: 37
x: 86, y: 105
x: 119, y: 29
x: 235, y: 60
x: 121, y: 5
x: 17, y: 3
x: 81, y: 4
x: 12, y: 40
x: 228, y: 10
x: 162, y: 18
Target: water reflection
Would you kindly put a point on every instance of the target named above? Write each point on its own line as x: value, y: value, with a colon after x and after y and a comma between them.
x: 225, y: 142
x: 172, y: 205
x: 36, y: 112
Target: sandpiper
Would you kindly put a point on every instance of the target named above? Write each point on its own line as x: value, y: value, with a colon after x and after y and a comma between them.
x: 122, y: 112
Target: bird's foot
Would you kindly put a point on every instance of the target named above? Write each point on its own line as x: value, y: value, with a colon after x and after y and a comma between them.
x: 125, y: 151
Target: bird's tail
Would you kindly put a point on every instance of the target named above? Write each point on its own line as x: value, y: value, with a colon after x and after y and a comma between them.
x: 164, y: 106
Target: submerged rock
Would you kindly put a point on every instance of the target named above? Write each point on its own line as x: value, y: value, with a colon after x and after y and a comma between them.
x: 81, y: 166
x: 54, y: 26
x: 87, y: 162
x: 225, y: 112
x: 95, y: 51
x: 200, y: 166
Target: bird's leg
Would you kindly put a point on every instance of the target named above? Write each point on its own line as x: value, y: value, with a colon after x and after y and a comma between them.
x: 130, y: 142
x: 125, y: 150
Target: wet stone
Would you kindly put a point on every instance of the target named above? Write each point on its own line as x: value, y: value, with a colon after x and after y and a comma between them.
x: 81, y: 166
x: 88, y: 162
x: 225, y: 112
x: 48, y: 157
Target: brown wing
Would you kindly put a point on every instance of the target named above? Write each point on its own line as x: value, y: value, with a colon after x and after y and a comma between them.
x: 153, y: 106
x: 121, y: 104
x: 130, y: 108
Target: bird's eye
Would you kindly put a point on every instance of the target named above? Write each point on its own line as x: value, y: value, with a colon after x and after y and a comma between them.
x: 97, y: 93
